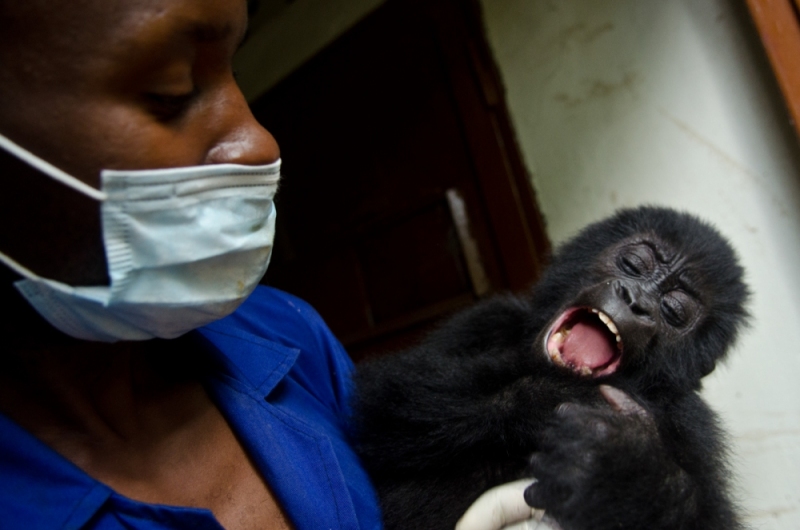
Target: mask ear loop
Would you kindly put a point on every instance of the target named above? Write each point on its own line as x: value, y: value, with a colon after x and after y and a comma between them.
x: 18, y: 268
x: 50, y: 170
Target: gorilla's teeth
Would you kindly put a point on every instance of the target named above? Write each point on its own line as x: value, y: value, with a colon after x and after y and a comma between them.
x: 594, y: 310
x: 607, y: 321
x: 585, y: 371
x: 619, y: 339
x: 555, y: 356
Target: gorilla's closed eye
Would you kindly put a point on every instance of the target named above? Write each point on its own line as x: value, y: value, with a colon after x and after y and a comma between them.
x: 631, y: 265
x: 676, y: 308
x: 636, y: 261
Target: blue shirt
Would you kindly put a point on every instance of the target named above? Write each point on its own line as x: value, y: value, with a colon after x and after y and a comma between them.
x: 282, y: 383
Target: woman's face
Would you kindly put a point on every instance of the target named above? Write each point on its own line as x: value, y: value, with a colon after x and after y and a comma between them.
x: 124, y: 84
x: 128, y: 84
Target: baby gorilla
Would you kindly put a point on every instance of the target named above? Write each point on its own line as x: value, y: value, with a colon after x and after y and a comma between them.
x: 589, y: 383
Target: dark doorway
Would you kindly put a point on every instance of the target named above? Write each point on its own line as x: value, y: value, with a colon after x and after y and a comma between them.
x: 404, y: 196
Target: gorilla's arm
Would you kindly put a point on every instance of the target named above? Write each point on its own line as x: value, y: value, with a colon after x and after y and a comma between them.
x: 692, y: 433
x: 603, y: 469
x: 471, y: 389
x: 440, y: 424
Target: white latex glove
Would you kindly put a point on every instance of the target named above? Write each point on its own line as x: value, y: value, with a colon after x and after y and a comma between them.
x: 504, y: 507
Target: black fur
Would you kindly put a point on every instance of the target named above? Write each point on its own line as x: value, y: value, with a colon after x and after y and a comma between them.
x: 479, y: 403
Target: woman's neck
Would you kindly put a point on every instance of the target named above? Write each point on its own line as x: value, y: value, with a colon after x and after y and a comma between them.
x: 54, y: 385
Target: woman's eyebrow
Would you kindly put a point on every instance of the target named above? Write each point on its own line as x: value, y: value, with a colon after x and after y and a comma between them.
x: 210, y: 32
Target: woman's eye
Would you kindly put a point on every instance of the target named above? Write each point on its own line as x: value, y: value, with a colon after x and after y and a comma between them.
x: 168, y: 107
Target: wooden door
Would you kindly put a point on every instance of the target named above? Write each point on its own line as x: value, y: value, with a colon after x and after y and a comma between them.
x: 778, y: 22
x: 404, y: 197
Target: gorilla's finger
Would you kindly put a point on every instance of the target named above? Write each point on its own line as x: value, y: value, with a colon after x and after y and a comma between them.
x: 622, y: 402
x: 568, y: 408
x: 533, y: 497
x: 549, y: 496
x: 498, y: 508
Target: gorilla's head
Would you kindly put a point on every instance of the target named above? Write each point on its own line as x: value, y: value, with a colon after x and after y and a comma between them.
x: 649, y: 294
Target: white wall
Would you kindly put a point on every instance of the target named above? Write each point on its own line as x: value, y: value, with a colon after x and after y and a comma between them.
x: 624, y: 102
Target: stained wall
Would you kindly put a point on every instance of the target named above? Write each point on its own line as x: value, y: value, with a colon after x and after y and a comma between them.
x: 626, y: 102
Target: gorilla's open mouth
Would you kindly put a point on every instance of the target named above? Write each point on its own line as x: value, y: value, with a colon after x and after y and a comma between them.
x: 586, y: 341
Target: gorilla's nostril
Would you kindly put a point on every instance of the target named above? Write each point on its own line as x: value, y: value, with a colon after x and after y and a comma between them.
x: 625, y: 294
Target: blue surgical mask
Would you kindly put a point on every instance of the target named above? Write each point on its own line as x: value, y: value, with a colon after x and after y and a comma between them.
x: 185, y: 246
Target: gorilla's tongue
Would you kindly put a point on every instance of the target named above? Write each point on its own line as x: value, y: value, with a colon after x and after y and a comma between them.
x: 588, y: 344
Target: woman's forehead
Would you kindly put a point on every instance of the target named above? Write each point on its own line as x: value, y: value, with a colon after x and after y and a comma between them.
x: 86, y: 73
x: 63, y: 29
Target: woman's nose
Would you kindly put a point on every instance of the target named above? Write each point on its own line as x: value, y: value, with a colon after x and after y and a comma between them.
x: 244, y: 140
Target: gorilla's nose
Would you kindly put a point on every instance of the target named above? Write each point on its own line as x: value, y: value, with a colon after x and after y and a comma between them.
x: 638, y: 301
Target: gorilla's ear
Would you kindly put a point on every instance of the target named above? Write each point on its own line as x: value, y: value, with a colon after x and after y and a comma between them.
x: 706, y: 366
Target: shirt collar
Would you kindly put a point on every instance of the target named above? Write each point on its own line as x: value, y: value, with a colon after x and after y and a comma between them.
x: 258, y: 362
x: 30, y: 469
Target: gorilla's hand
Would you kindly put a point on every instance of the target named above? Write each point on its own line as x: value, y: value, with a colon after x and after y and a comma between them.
x: 603, y: 467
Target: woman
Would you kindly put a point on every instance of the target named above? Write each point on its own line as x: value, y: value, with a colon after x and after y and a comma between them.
x: 105, y: 424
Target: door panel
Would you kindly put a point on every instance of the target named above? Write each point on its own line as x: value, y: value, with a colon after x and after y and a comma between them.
x: 401, y: 198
